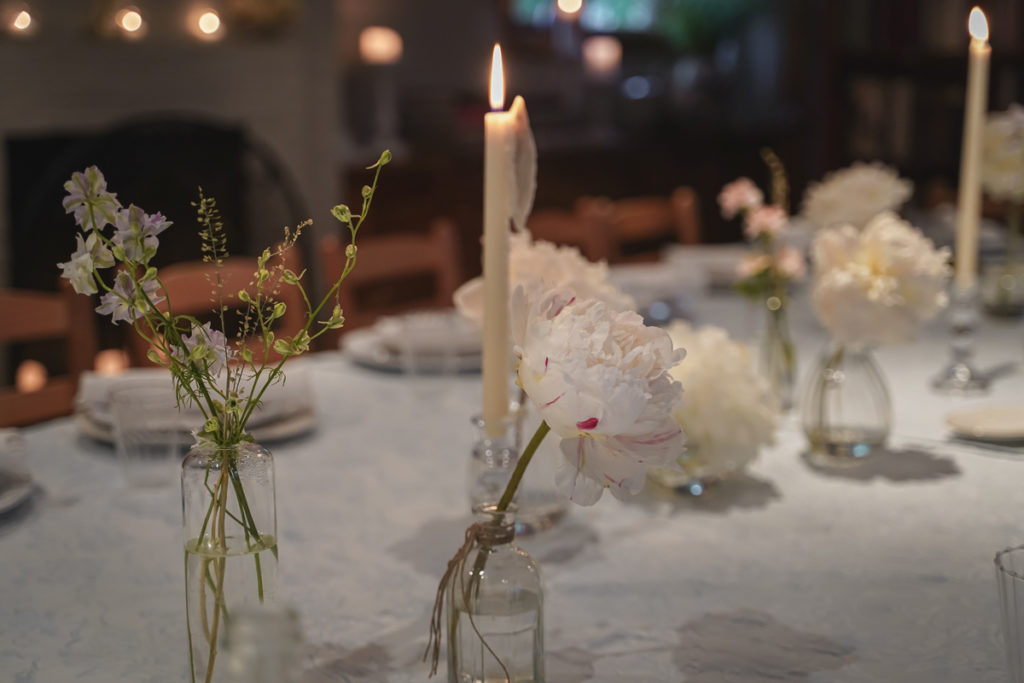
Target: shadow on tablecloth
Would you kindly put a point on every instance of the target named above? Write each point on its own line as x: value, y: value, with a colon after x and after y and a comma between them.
x: 740, y: 491
x: 752, y: 647
x: 902, y: 465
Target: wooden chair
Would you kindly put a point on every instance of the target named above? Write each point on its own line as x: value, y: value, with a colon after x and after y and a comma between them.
x: 33, y: 317
x: 189, y: 286
x: 393, y: 273
x: 574, y: 229
x: 638, y: 227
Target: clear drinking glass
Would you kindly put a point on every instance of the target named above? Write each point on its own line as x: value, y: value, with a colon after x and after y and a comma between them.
x: 1010, y: 582
x: 495, y: 610
x: 150, y: 433
x: 264, y: 645
x: 846, y: 411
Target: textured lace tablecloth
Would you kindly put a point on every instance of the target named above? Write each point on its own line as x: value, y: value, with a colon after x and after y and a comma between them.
x: 882, y: 573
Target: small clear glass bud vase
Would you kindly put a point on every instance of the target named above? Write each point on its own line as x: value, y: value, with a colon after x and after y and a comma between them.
x: 846, y: 411
x: 230, y: 533
x: 777, y: 359
x: 495, y: 608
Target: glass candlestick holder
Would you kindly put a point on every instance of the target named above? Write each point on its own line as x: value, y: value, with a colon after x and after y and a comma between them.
x: 961, y: 376
x: 492, y: 459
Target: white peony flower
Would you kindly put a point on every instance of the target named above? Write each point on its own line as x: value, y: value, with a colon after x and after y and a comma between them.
x: 855, y: 195
x: 739, y: 196
x: 765, y: 220
x: 539, y: 266
x: 877, y: 286
x: 1002, y: 167
x: 600, y: 380
x: 729, y: 409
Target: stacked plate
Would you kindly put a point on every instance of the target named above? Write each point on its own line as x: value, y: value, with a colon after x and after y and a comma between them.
x: 429, y: 342
x: 286, y: 410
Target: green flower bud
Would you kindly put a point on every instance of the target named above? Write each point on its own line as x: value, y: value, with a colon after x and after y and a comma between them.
x: 282, y: 347
x: 342, y: 213
x: 289, y: 277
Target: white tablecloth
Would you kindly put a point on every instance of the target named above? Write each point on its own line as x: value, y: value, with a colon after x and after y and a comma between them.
x: 881, y: 573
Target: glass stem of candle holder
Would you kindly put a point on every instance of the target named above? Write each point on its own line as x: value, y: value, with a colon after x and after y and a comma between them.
x: 960, y: 375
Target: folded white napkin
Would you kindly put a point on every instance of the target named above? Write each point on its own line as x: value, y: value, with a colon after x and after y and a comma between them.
x: 429, y: 332
x: 283, y: 399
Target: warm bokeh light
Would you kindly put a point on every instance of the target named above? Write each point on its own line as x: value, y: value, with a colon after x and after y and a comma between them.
x: 30, y: 376
x: 570, y: 6
x: 602, y: 54
x: 110, y: 362
x: 22, y: 21
x: 129, y: 19
x: 380, y: 45
x: 977, y: 24
x: 497, y: 80
x: 209, y: 22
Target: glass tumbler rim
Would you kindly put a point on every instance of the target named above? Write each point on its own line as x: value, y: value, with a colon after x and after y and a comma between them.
x: 1002, y: 567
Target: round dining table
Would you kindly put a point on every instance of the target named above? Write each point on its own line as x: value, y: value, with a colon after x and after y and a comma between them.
x: 790, y: 571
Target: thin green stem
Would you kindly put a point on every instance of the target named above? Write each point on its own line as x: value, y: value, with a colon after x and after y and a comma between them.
x: 520, y: 469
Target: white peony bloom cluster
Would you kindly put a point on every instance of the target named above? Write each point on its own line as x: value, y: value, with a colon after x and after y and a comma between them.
x: 877, y: 285
x: 600, y: 379
x: 1002, y: 168
x: 855, y: 195
x: 538, y: 266
x: 729, y: 409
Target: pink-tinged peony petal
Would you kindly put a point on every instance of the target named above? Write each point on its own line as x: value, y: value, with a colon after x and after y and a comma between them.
x: 588, y: 424
x: 554, y: 400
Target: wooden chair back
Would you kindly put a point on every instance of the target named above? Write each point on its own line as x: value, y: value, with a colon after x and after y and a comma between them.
x: 189, y: 287
x: 575, y: 229
x: 639, y: 227
x: 391, y: 273
x: 32, y: 317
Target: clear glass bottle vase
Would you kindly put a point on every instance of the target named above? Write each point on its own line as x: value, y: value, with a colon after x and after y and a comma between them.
x: 495, y: 609
x: 846, y: 410
x: 777, y: 361
x: 230, y: 533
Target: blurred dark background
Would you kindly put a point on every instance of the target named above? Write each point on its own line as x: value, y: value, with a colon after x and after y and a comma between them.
x: 278, y: 110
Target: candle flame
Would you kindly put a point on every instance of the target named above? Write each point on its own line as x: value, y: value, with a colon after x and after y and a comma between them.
x: 977, y: 25
x: 497, y: 80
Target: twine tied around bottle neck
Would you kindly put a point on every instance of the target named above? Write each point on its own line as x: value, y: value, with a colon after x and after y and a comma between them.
x: 478, y: 535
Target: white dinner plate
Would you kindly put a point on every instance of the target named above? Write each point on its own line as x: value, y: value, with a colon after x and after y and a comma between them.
x: 279, y: 428
x: 990, y: 423
x: 15, y: 489
x: 366, y: 348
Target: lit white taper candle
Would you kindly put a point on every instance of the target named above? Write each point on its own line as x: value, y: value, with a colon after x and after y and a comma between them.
x: 499, y: 134
x: 969, y: 200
